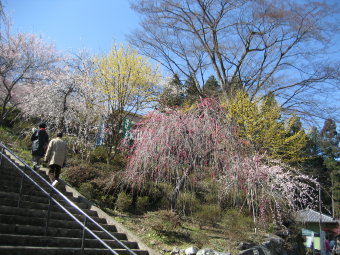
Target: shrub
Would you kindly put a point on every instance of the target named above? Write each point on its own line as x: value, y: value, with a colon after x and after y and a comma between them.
x: 87, y: 190
x: 99, y: 154
x: 187, y: 203
x: 163, y: 220
x: 162, y: 200
x: 208, y: 215
x: 124, y: 202
x: 107, y: 201
x: 142, y: 203
x: 78, y: 174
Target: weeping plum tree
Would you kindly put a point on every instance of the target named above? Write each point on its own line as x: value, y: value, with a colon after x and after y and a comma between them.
x: 185, y: 147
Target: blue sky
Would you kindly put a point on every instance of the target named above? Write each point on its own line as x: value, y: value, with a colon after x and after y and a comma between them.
x: 74, y: 24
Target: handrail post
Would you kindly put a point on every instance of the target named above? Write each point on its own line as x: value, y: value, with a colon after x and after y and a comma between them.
x: 21, y: 187
x: 1, y: 157
x: 83, y: 237
x: 26, y: 170
x: 48, y: 214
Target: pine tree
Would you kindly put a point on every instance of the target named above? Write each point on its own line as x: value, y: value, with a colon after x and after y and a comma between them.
x: 330, y: 139
x: 329, y: 143
x: 172, y: 95
x: 192, y: 94
x: 211, y: 87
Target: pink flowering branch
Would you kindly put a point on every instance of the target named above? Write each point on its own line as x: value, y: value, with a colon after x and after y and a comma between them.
x: 200, y: 143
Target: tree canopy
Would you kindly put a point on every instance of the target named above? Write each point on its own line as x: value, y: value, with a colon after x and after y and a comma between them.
x: 259, y: 46
x: 260, y: 124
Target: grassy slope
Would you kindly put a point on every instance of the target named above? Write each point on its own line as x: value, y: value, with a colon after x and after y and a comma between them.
x: 221, y: 237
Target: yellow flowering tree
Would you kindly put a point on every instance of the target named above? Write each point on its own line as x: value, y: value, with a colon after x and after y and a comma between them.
x: 259, y: 124
x: 128, y: 83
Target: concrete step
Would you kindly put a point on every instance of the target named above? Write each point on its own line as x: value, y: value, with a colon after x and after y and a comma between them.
x: 8, y: 210
x: 31, y: 191
x: 27, y: 186
x: 22, y: 229
x: 41, y: 206
x: 48, y: 241
x: 28, y: 250
x: 40, y: 199
x: 35, y: 221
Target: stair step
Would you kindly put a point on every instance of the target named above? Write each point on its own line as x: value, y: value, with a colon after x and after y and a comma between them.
x: 53, y: 231
x: 40, y: 206
x: 48, y: 241
x: 8, y: 210
x: 30, y: 191
x: 34, y: 221
x: 27, y: 184
x: 23, y: 229
x: 43, y: 199
x: 28, y: 187
x: 29, y: 250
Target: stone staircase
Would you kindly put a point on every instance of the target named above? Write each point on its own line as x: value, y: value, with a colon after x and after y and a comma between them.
x: 25, y: 230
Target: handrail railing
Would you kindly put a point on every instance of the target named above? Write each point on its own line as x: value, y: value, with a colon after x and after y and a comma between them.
x: 87, y: 218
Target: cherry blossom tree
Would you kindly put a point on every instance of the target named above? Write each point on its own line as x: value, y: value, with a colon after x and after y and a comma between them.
x: 185, y: 147
x: 69, y: 102
x: 25, y: 60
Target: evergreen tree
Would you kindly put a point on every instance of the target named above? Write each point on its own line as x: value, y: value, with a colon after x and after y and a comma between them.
x: 192, y: 94
x: 211, y: 87
x: 329, y: 143
x: 313, y: 143
x: 294, y: 124
x: 323, y: 164
x: 330, y: 139
x: 172, y: 95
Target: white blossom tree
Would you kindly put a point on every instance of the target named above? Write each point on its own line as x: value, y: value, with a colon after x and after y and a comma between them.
x: 69, y: 102
x: 25, y: 60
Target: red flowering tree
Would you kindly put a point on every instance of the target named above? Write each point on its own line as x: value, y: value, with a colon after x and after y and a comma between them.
x: 184, y: 147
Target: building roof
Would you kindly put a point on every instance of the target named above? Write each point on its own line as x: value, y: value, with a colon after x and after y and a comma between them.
x: 311, y: 216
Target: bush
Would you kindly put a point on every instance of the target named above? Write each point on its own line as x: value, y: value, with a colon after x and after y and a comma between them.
x: 78, y: 174
x: 87, y: 190
x: 160, y: 196
x: 99, y: 154
x: 208, y: 215
x: 124, y: 202
x: 142, y: 204
x: 107, y: 201
x: 163, y: 220
x: 187, y: 203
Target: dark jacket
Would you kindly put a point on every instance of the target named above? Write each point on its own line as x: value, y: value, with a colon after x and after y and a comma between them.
x: 39, y: 142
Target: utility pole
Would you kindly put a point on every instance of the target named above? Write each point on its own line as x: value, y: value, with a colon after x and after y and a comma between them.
x: 322, y: 241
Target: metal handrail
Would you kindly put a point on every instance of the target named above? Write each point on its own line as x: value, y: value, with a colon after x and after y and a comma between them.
x: 87, y: 217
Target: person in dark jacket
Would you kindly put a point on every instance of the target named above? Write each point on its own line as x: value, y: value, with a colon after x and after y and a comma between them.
x: 39, y: 140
